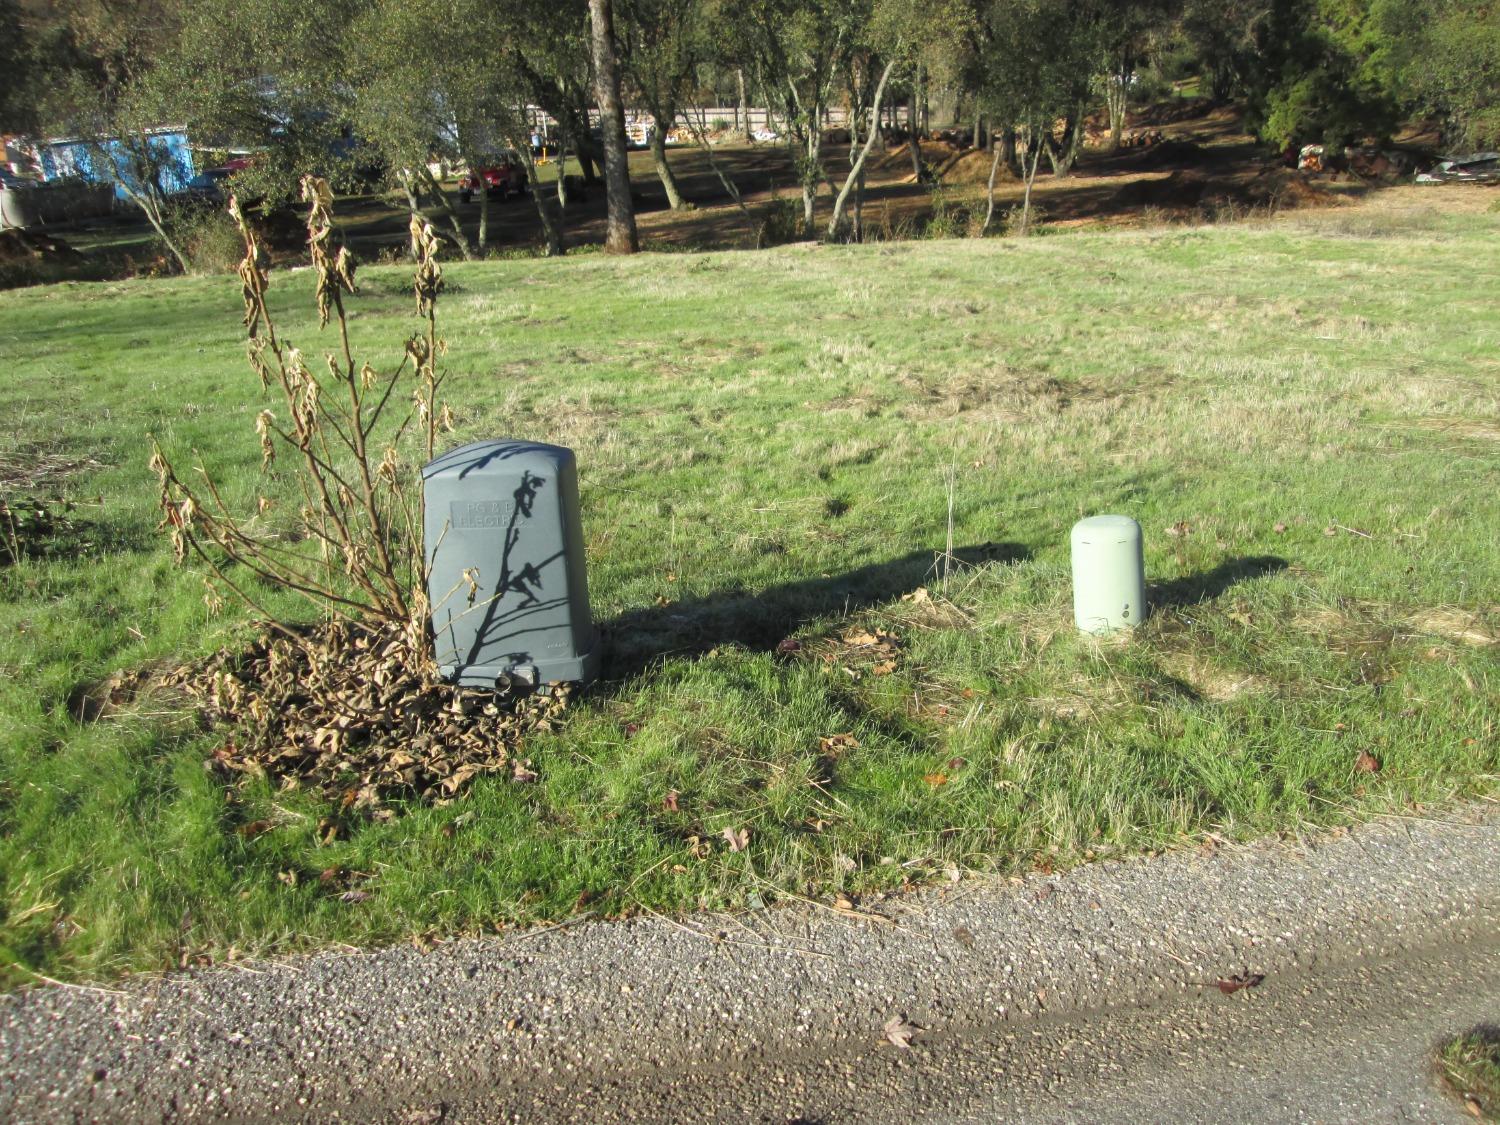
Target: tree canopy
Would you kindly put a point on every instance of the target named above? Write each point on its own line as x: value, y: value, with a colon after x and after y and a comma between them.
x: 345, y: 89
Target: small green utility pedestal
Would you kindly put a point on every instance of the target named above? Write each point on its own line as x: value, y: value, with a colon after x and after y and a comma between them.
x: 1109, y: 574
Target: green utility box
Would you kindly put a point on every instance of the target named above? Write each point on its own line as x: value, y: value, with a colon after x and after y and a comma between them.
x: 1109, y: 574
x: 508, y: 585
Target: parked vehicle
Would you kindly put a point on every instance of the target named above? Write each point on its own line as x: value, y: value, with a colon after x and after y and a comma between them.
x: 209, y: 186
x: 504, y: 177
x: 1476, y: 168
x: 212, y: 184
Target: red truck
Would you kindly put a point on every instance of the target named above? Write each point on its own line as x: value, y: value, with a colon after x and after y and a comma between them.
x: 504, y: 177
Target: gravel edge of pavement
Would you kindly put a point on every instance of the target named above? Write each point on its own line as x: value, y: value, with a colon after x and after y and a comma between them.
x: 359, y: 1035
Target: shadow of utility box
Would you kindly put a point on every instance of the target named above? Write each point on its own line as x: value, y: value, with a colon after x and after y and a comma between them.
x: 508, y: 584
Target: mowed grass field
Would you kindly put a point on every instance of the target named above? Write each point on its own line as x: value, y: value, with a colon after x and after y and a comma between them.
x: 1304, y: 414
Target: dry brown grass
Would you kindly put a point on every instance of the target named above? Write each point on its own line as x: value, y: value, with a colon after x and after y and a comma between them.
x: 1210, y: 680
x: 1450, y: 623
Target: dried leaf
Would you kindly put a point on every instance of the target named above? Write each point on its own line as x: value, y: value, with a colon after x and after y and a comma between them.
x: 884, y: 668
x: 935, y: 779
x: 789, y: 646
x: 354, y: 896
x: 1366, y: 763
x: 255, y: 828
x: 738, y: 840
x: 1230, y: 985
x: 899, y: 1031
x: 669, y: 802
x: 831, y: 744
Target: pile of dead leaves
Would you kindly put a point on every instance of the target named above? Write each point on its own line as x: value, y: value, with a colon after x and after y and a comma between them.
x: 855, y: 651
x: 352, y: 712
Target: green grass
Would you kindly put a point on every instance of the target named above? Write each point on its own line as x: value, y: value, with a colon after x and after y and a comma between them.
x: 765, y: 443
x: 1469, y: 1066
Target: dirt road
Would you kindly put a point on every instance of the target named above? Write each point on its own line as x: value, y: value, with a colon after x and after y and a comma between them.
x: 1083, y: 997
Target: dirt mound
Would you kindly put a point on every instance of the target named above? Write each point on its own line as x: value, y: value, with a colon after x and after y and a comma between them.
x: 1168, y: 154
x: 21, y: 245
x: 935, y: 154
x: 973, y: 167
x: 1179, y: 190
x: 1168, y: 112
x: 1273, y: 190
x: 1284, y: 190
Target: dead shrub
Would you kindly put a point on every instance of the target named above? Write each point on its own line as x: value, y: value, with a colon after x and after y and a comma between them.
x: 352, y: 703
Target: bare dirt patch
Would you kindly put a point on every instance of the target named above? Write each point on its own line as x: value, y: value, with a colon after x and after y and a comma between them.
x: 1471, y: 429
x: 1190, y: 190
x: 1465, y: 627
x: 1016, y: 396
x: 1209, y: 680
x: 973, y: 168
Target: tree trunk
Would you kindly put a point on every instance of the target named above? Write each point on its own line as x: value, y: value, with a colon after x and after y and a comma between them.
x: 151, y: 207
x: 979, y: 132
x: 455, y: 223
x: 837, y: 221
x: 913, y: 143
x: 484, y: 217
x: 1117, y: 99
x: 924, y: 100
x: 413, y: 204
x: 1222, y: 84
x: 562, y: 167
x: 589, y: 160
x: 810, y: 170
x: 620, y: 236
x: 552, y: 231
x: 664, y: 170
x: 1062, y: 155
x: 989, y: 209
x: 741, y: 110
x: 1008, y: 146
x: 701, y: 135
x: 859, y: 206
x: 1037, y: 145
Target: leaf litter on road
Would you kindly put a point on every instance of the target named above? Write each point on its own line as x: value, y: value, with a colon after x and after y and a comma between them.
x: 899, y: 1031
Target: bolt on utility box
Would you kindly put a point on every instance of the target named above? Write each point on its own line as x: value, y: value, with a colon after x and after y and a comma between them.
x: 507, y: 579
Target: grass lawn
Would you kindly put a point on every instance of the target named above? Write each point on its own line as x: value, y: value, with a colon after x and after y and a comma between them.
x: 1469, y: 1067
x: 1303, y: 414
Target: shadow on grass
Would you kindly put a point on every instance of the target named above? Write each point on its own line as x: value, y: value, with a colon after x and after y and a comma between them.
x: 51, y: 531
x: 638, y: 638
x: 1195, y: 589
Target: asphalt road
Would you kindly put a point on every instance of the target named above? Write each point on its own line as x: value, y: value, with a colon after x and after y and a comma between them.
x: 1086, y: 997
